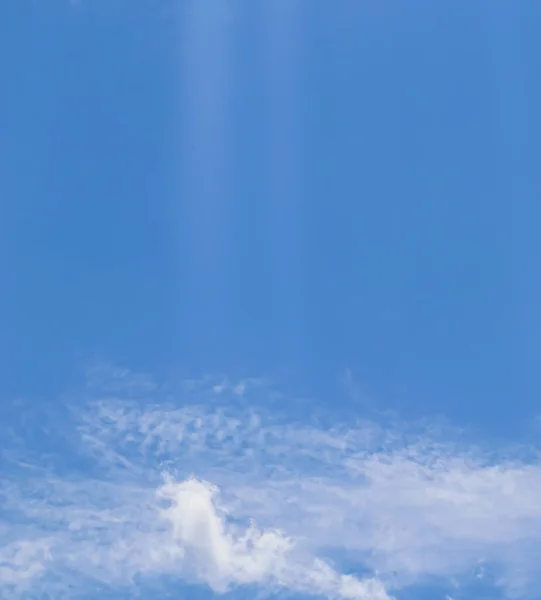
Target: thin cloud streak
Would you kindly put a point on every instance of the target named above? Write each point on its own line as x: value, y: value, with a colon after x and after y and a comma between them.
x: 205, y: 145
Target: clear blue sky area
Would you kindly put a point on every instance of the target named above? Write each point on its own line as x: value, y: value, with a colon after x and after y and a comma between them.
x: 341, y: 198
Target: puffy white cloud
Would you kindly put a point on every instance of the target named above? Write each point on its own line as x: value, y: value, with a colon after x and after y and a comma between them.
x: 202, y: 487
x: 221, y: 555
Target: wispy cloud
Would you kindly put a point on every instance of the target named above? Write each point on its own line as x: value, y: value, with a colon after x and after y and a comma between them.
x: 211, y: 486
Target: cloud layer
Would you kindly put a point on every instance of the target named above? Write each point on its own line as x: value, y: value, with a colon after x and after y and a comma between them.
x: 210, y: 485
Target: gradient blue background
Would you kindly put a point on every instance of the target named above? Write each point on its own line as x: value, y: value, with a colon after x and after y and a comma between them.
x: 404, y: 242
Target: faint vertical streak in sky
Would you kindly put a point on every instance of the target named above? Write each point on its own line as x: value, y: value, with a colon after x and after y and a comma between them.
x: 205, y: 151
x: 509, y: 80
x: 281, y: 62
x: 513, y: 108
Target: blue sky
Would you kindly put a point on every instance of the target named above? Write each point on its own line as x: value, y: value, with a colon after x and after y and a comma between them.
x: 280, y: 259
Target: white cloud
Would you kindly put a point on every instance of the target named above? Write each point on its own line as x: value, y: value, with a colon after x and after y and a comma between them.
x: 114, y: 533
x: 21, y: 562
x: 221, y: 555
x: 208, y: 486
